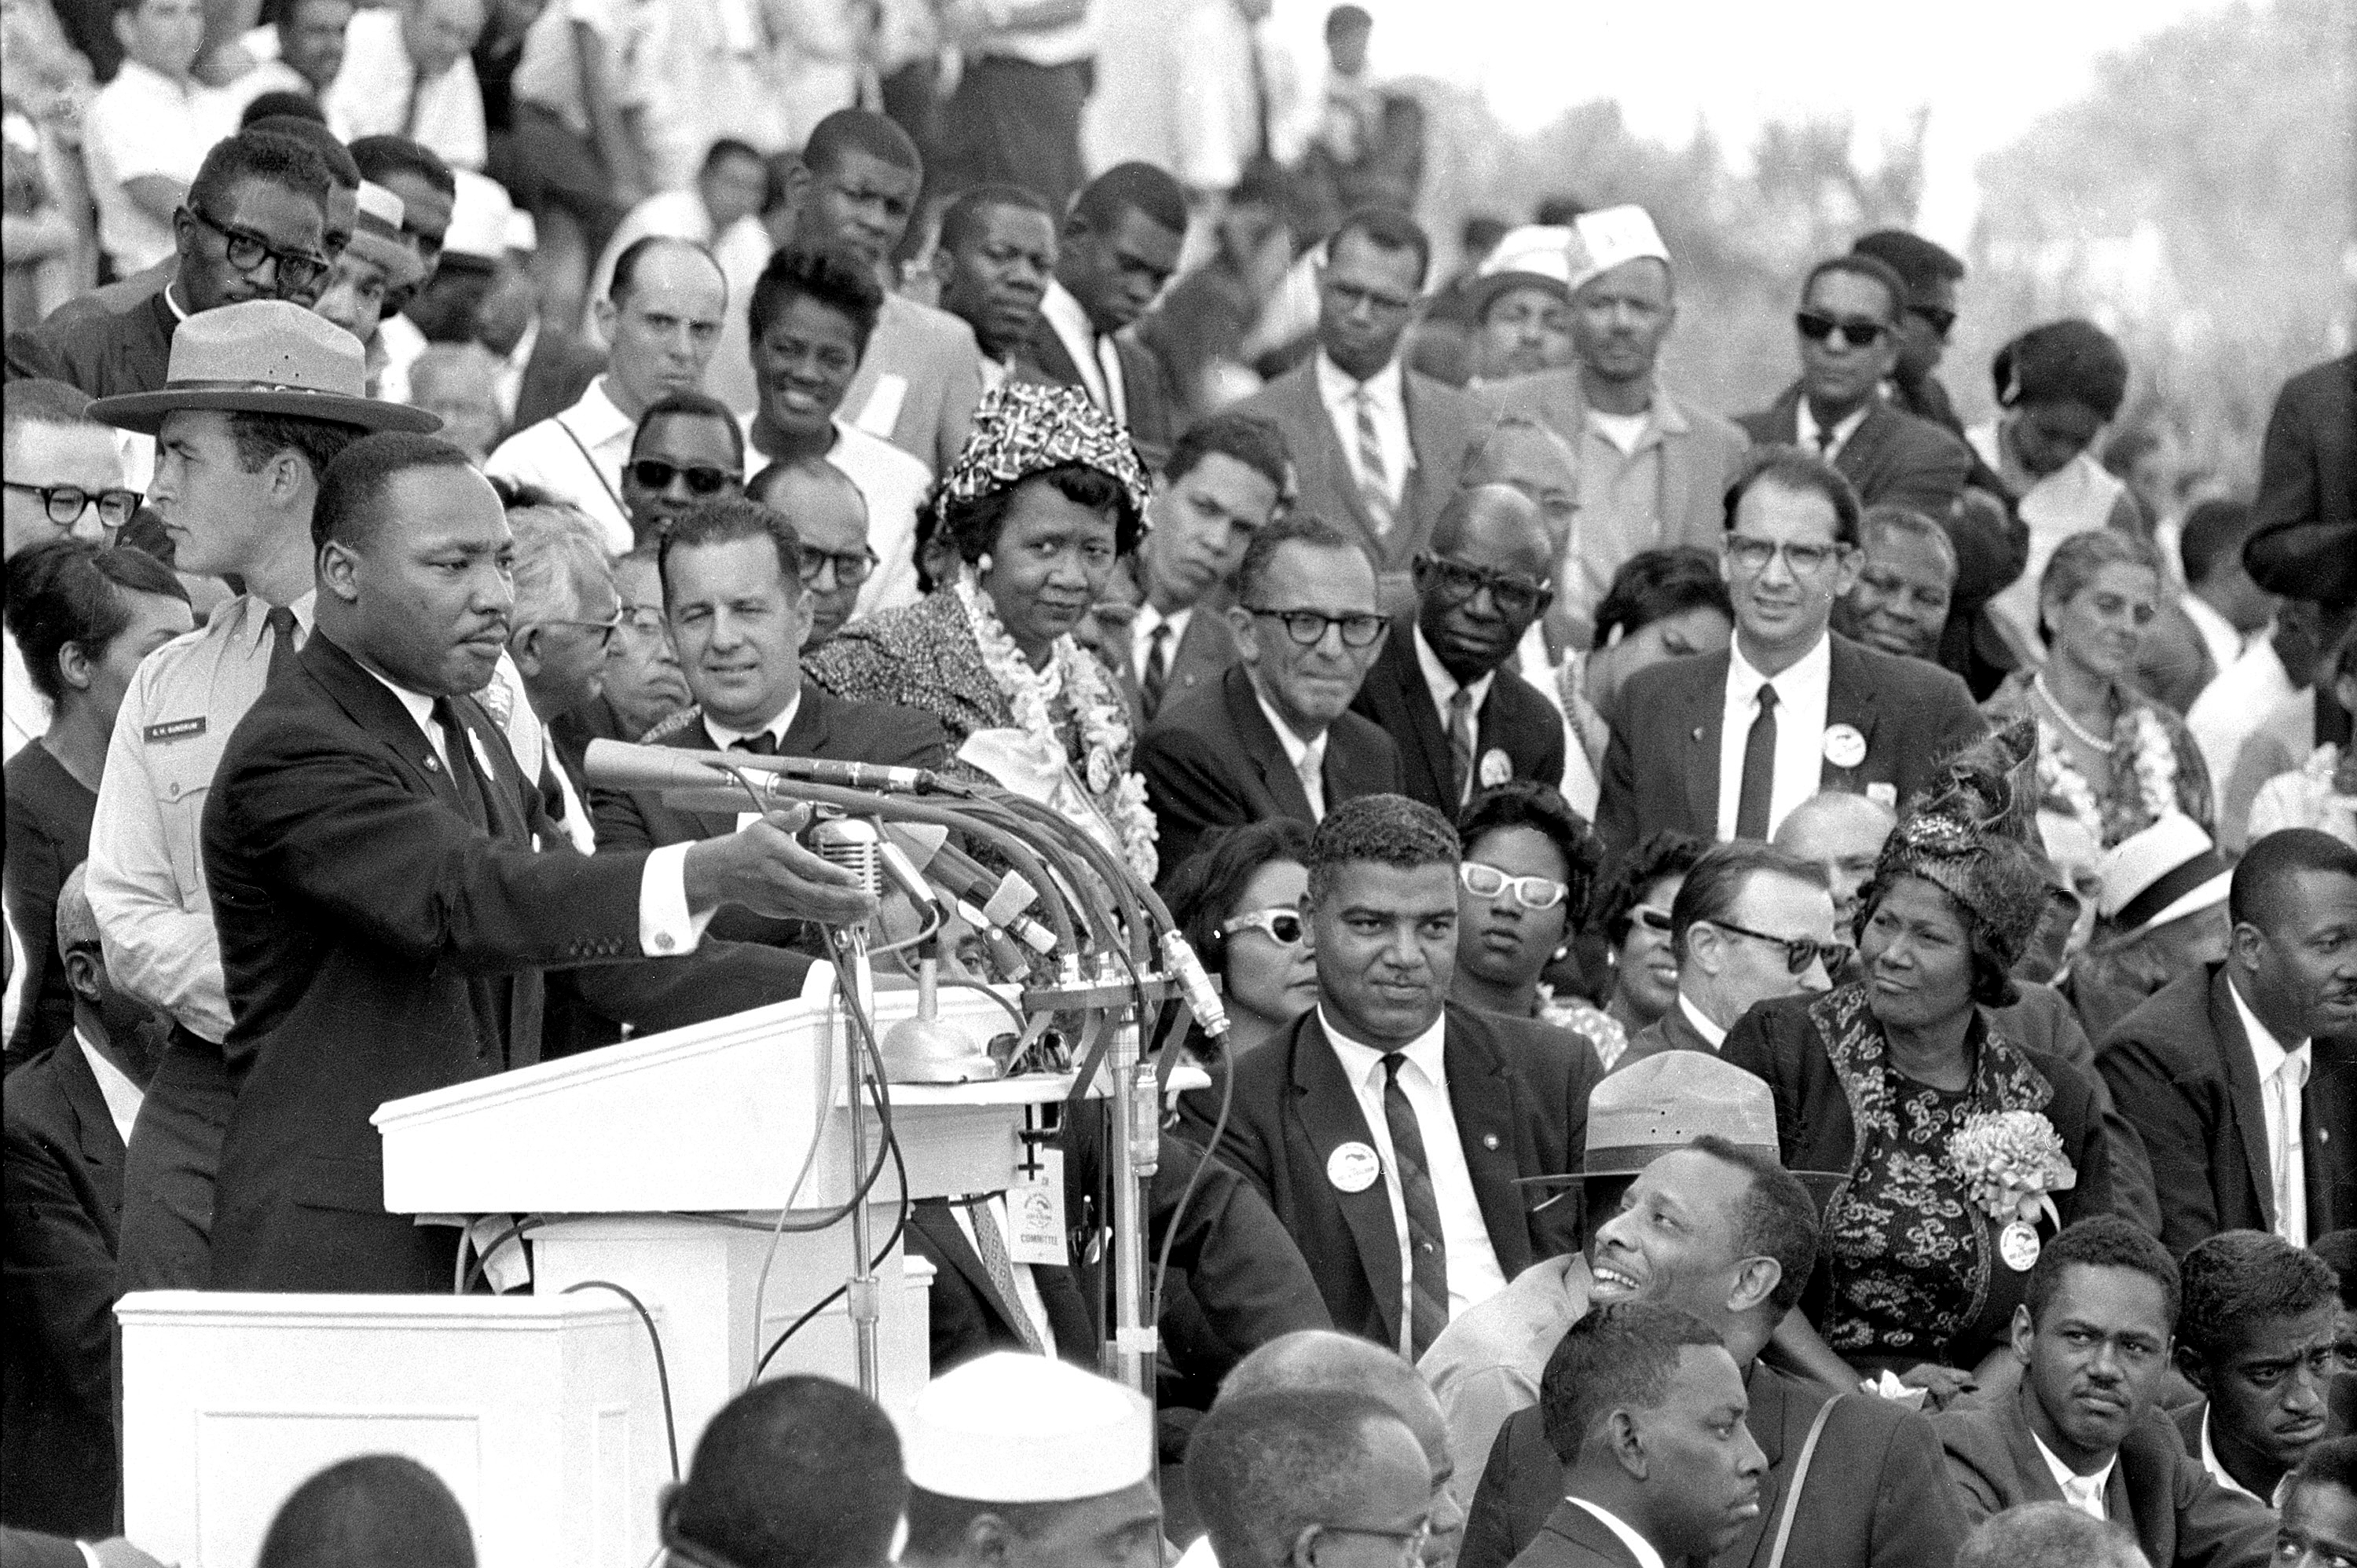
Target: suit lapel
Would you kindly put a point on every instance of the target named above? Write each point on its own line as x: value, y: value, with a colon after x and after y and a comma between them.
x: 1405, y: 705
x: 1702, y: 722
x: 1588, y: 1535
x: 1263, y: 746
x: 1482, y: 1098
x: 371, y: 704
x: 941, y: 1228
x: 1769, y: 1415
x: 94, y: 1130
x: 2029, y: 1465
x: 1849, y: 700
x: 1334, y: 471
x: 1328, y: 1109
x: 1860, y: 454
x: 2242, y: 1091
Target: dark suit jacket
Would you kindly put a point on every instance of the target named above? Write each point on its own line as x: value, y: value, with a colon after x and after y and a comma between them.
x: 1875, y: 1495
x: 1519, y: 1091
x: 1573, y: 1538
x: 1514, y: 719
x: 1662, y: 768
x: 2303, y: 539
x: 2180, y: 1069
x: 2043, y: 1020
x: 2179, y: 1515
x: 1212, y: 760
x: 48, y: 818
x: 1150, y: 394
x: 1891, y: 456
x: 1205, y: 652
x: 1672, y: 1031
x: 1442, y: 423
x: 376, y: 944
x: 560, y: 370
x: 30, y: 1549
x: 105, y: 351
x: 967, y: 1315
x: 61, y: 1172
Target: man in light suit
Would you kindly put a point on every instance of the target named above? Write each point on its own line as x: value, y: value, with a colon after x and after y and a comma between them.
x: 1445, y: 688
x: 1376, y: 445
x: 1389, y: 1129
x: 1273, y: 736
x: 1697, y: 745
x: 921, y: 375
x: 388, y: 892
x: 2238, y: 1075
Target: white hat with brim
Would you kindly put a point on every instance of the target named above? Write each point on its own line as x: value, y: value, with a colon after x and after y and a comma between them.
x: 1014, y: 1428
x: 1611, y: 237
x: 264, y: 356
x: 2164, y: 873
x: 481, y: 219
x: 1534, y: 256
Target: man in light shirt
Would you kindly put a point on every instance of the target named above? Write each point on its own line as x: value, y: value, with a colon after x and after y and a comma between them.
x: 407, y: 73
x: 2225, y: 605
x: 2255, y: 1335
x: 147, y: 131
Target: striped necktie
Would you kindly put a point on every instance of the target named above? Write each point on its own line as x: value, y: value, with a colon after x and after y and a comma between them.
x: 1374, y: 478
x: 1428, y: 1244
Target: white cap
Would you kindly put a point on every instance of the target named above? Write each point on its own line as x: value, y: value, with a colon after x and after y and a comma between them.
x: 1535, y: 253
x: 522, y: 234
x: 2165, y: 873
x: 1014, y: 1428
x: 480, y: 216
x: 377, y: 202
x: 1606, y: 238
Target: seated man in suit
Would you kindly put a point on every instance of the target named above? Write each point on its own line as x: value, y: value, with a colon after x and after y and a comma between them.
x: 1646, y: 1408
x: 688, y: 449
x: 2081, y: 1428
x: 1266, y: 1470
x: 2214, y: 1070
x: 1445, y: 688
x: 68, y: 1118
x: 1272, y: 737
x: 1389, y: 1128
x: 2255, y: 1335
x: 830, y: 518
x: 1220, y: 487
x: 1744, y: 916
x: 1725, y: 745
x: 1716, y: 1228
x: 1376, y: 446
x: 1119, y: 248
x: 994, y: 262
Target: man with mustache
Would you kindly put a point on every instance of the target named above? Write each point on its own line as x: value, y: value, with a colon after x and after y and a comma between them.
x: 2083, y: 1428
x: 2256, y: 1336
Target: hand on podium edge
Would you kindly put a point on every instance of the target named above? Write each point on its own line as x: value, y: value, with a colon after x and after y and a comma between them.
x: 763, y: 868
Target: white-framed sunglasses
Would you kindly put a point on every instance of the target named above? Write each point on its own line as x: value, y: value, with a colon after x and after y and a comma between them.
x: 1529, y: 892
x: 1283, y: 927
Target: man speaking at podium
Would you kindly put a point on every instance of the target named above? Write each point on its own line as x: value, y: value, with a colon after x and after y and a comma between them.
x: 388, y: 890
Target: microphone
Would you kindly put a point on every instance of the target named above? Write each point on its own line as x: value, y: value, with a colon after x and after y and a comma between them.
x: 619, y: 765
x: 1000, y: 899
x: 852, y: 843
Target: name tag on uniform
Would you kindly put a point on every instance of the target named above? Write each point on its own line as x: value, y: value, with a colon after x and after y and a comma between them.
x: 175, y: 729
x: 1034, y: 1215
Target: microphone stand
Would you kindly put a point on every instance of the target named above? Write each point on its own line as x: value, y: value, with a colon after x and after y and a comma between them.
x: 852, y: 843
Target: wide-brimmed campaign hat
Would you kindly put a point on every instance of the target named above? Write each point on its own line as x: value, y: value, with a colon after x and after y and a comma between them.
x: 1666, y: 1102
x: 264, y: 356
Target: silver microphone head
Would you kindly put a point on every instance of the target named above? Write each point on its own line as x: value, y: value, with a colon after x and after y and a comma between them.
x: 853, y: 842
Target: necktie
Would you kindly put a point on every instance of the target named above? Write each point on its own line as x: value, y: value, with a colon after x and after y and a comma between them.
x: 1825, y: 442
x: 1157, y: 673
x: 284, y: 640
x: 2085, y: 1493
x: 474, y: 795
x: 1310, y: 770
x: 1758, y: 772
x: 762, y: 744
x: 1461, y: 743
x: 2287, y: 1162
x: 1427, y: 1245
x: 992, y: 1246
x: 1374, y: 478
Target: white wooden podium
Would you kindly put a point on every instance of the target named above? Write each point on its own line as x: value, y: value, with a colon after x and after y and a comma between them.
x: 658, y: 1164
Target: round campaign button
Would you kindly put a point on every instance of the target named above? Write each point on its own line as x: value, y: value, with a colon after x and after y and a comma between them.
x: 1496, y: 768
x: 2018, y: 1245
x: 1353, y: 1167
x: 1845, y: 748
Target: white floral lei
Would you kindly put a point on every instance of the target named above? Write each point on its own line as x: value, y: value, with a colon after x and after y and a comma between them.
x: 2153, y: 760
x: 1098, y: 711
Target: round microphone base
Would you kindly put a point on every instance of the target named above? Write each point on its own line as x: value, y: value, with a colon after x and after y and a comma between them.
x: 926, y: 1050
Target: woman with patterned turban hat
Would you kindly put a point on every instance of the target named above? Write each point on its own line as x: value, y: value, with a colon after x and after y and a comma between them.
x: 1965, y: 1150
x: 1047, y: 494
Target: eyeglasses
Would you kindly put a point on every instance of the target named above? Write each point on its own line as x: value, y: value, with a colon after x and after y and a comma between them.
x: 1282, y: 925
x: 642, y: 618
x: 1940, y: 321
x: 1529, y: 892
x: 1799, y: 952
x: 66, y: 503
x: 1651, y: 917
x: 654, y: 473
x: 248, y: 250
x: 1751, y: 556
x: 606, y: 629
x: 1457, y: 582
x: 850, y: 570
x: 1411, y: 1541
x: 1856, y: 331
x: 1307, y: 627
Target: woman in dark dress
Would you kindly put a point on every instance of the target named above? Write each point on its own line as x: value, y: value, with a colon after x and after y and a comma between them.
x: 84, y: 616
x: 1923, y: 1255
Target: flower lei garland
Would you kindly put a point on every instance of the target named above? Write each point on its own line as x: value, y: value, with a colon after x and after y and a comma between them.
x: 2140, y: 737
x: 1098, y: 713
x: 2012, y: 1161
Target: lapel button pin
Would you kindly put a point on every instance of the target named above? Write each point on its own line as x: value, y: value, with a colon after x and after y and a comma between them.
x: 1697, y: 732
x: 1489, y: 1140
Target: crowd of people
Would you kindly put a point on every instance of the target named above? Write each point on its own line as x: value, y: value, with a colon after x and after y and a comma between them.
x: 1792, y: 975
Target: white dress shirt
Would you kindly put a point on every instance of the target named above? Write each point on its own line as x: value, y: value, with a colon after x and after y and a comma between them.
x: 2224, y: 1477
x: 114, y: 1087
x: 2283, y: 1076
x: 1306, y: 758
x: 1806, y: 427
x: 1802, y: 693
x: 578, y: 456
x: 144, y: 122
x: 1444, y: 688
x: 2085, y: 1493
x: 1141, y: 637
x: 1094, y: 356
x: 1474, y: 1275
x: 1701, y: 1022
x: 1386, y: 392
x: 1638, y: 1547
x: 377, y: 94
x: 2217, y: 633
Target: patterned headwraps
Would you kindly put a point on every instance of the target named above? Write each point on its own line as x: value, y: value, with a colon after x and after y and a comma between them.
x: 1969, y: 834
x: 1021, y: 429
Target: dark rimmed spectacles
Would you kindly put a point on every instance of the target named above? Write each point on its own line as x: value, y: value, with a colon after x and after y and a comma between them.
x: 1751, y: 556
x: 1282, y: 925
x: 1529, y: 892
x: 1799, y: 952
x: 248, y: 250
x: 66, y: 503
x: 1411, y: 1543
x: 654, y: 473
x: 606, y: 629
x: 1856, y: 331
x: 850, y: 570
x: 1457, y: 582
x: 1307, y: 627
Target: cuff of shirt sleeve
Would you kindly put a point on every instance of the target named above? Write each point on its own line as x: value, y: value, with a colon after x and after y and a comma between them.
x: 666, y: 928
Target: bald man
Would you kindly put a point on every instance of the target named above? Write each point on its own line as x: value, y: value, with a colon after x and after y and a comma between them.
x: 1445, y: 686
x: 1840, y: 833
x: 830, y: 519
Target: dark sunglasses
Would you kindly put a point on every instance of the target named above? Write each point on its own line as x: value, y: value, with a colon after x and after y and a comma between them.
x: 1651, y: 916
x: 1856, y: 331
x: 248, y: 250
x: 65, y: 503
x: 1457, y: 582
x: 1940, y: 321
x: 654, y: 473
x: 1307, y: 627
x: 1799, y: 952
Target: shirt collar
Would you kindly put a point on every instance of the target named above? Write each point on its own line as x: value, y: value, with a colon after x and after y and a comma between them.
x: 723, y: 738
x: 1385, y: 389
x: 115, y: 1086
x: 2064, y: 1475
x: 1638, y: 1547
x: 597, y: 418
x: 2219, y: 1473
x: 1443, y: 684
x: 1701, y: 1022
x: 1067, y: 315
x: 419, y: 706
x: 1806, y: 427
x: 520, y: 357
x: 1427, y: 1051
x: 252, y: 613
x: 1295, y: 748
x: 1149, y: 617
x: 1813, y: 667
x: 2267, y: 1053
